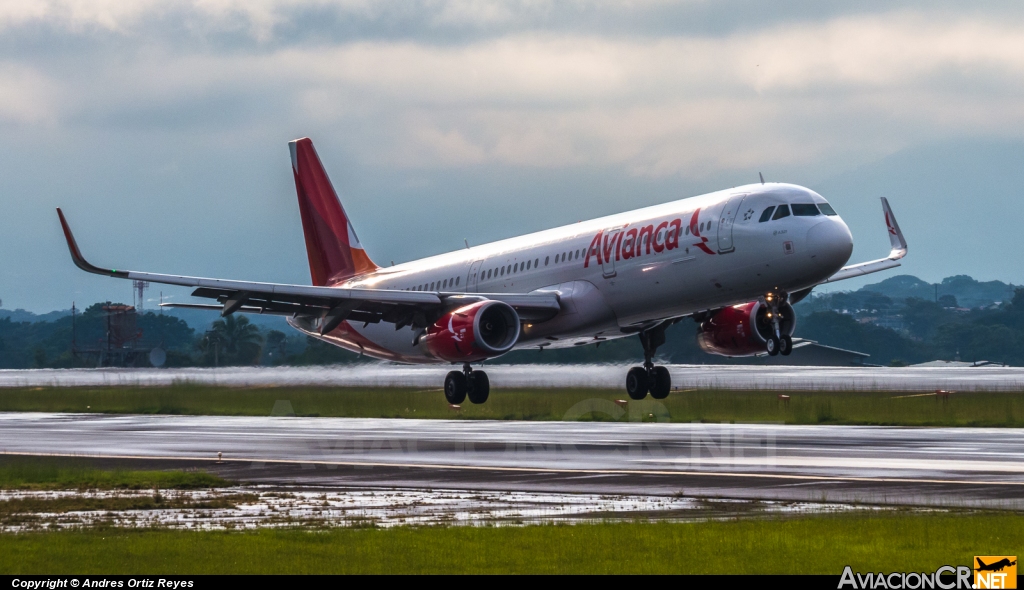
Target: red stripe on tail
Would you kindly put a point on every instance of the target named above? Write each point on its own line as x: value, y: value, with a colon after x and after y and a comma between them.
x: 334, y: 251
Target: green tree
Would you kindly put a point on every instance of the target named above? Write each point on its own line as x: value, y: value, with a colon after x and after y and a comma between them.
x: 232, y: 341
x: 923, y: 317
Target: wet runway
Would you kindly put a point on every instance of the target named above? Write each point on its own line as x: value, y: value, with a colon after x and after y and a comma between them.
x: 914, y: 466
x: 543, y: 376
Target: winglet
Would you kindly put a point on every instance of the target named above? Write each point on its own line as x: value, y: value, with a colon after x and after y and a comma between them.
x: 899, y: 243
x: 76, y: 254
x: 899, y: 250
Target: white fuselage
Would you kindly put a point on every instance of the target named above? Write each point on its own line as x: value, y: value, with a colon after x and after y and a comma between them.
x: 618, y: 274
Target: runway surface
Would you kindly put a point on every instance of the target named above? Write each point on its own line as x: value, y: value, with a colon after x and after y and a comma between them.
x: 916, y: 466
x: 543, y: 376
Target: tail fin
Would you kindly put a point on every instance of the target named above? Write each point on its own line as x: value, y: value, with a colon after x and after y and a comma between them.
x: 331, y: 244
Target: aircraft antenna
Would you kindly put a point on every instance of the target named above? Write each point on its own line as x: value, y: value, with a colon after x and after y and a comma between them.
x: 466, y: 241
x: 761, y: 176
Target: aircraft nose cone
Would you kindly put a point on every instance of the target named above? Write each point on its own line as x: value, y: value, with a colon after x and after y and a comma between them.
x: 830, y: 244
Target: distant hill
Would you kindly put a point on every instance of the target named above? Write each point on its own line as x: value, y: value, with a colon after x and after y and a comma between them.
x: 20, y: 315
x: 197, y: 319
x: 201, y: 319
x: 967, y: 291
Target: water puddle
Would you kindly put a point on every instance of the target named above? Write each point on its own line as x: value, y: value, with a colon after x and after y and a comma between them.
x: 249, y: 507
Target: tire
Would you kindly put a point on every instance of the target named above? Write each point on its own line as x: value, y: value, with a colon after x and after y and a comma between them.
x: 662, y: 385
x: 772, y: 346
x: 786, y: 346
x: 455, y: 387
x: 479, y: 387
x: 636, y: 383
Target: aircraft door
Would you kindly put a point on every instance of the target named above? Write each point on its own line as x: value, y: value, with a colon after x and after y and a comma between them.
x: 608, y: 253
x: 726, y: 222
x: 474, y: 277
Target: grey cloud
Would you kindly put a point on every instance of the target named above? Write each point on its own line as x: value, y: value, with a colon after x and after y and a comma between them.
x: 163, y: 130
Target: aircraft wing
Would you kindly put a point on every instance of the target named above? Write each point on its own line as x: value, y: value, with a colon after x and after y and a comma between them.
x: 333, y: 304
x: 899, y: 250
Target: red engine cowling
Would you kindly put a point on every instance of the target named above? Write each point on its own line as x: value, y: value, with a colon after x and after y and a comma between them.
x: 474, y: 332
x: 743, y: 330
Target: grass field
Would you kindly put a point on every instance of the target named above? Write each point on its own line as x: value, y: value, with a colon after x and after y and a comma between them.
x: 45, y: 473
x: 1005, y: 409
x: 822, y: 545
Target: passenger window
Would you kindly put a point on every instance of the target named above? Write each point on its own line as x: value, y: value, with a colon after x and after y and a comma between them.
x: 536, y: 262
x: 445, y: 286
x: 687, y: 230
x: 457, y: 281
x: 503, y: 271
x: 782, y: 211
x: 515, y: 268
x: 432, y: 286
x: 767, y: 214
x: 527, y: 265
x: 826, y: 209
x: 805, y: 210
x: 546, y: 258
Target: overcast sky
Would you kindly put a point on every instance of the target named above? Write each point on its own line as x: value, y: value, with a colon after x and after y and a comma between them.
x: 161, y: 127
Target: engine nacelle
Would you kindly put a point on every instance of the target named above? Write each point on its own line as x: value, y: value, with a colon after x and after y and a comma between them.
x: 743, y: 330
x: 474, y: 332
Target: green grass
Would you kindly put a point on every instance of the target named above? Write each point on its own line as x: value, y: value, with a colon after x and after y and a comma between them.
x: 21, y: 507
x: 821, y: 545
x: 1005, y: 409
x: 46, y: 473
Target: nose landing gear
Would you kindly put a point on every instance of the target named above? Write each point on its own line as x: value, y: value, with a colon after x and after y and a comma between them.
x: 777, y: 342
x: 467, y: 382
x: 649, y: 378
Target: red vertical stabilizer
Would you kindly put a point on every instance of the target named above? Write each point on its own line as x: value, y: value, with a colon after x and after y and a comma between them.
x: 331, y: 244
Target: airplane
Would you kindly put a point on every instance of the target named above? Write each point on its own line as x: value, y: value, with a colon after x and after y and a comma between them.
x: 734, y: 261
x: 994, y: 567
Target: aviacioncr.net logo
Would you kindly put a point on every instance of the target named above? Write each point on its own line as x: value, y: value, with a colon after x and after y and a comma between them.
x: 946, y: 577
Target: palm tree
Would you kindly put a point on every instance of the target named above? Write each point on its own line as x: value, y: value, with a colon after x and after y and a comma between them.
x: 237, y: 340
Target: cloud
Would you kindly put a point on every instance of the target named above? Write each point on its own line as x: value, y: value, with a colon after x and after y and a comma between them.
x: 788, y: 95
x: 188, y: 105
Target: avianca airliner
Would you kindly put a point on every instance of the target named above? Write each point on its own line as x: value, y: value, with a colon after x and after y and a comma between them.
x: 734, y: 261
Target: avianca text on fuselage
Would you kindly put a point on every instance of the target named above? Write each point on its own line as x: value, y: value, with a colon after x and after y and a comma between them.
x: 640, y: 241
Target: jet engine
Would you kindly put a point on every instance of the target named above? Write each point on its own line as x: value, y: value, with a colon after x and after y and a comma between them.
x: 474, y: 332
x: 743, y: 330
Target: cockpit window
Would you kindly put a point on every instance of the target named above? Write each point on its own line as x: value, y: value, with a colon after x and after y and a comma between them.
x: 827, y: 209
x: 782, y: 211
x: 805, y: 210
x: 767, y: 214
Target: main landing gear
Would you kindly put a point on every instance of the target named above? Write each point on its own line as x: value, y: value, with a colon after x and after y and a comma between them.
x: 649, y: 378
x: 777, y: 342
x: 467, y: 382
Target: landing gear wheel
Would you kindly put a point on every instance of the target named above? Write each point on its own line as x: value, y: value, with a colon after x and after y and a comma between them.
x: 455, y: 387
x: 636, y: 383
x: 773, y: 345
x: 662, y: 383
x: 479, y: 387
x: 786, y: 345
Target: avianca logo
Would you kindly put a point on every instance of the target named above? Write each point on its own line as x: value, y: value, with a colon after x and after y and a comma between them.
x: 639, y: 241
x: 888, y: 224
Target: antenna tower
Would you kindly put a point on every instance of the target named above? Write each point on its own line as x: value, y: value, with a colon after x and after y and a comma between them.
x: 140, y: 288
